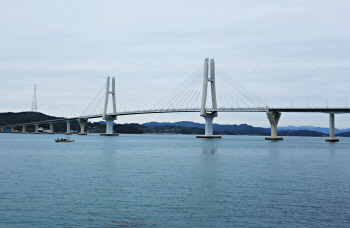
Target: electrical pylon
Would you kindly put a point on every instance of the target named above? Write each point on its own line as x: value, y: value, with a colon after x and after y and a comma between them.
x: 34, y: 103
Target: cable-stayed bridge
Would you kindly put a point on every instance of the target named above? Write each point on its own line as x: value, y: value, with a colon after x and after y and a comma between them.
x: 209, y: 90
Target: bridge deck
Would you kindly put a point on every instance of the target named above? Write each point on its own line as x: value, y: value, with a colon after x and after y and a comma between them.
x: 138, y: 112
x: 321, y: 110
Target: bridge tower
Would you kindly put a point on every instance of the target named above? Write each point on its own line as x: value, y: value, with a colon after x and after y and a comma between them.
x: 108, y: 118
x: 209, y: 117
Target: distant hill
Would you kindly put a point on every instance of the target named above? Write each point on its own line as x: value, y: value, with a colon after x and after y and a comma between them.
x: 302, y: 133
x: 26, y: 117
x: 311, y: 128
x: 344, y: 134
x: 23, y: 117
x: 217, y: 127
x: 7, y: 118
x: 244, y: 127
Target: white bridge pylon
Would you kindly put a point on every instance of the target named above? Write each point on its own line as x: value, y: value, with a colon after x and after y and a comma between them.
x: 109, y: 118
x: 209, y: 116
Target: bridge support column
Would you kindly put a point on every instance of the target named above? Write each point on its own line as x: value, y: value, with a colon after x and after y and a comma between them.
x: 68, y: 128
x: 209, y: 127
x: 12, y: 129
x: 82, y: 123
x: 2, y: 129
x: 273, y: 117
x: 24, y: 129
x: 51, y: 129
x: 36, y: 129
x: 331, y: 130
x: 109, y: 127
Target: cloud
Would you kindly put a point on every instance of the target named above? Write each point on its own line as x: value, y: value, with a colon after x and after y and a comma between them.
x: 279, y: 50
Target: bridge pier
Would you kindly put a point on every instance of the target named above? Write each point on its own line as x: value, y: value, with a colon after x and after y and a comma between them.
x: 273, y: 118
x: 12, y: 129
x: 68, y: 128
x: 109, y: 127
x: 2, y: 129
x: 36, y: 129
x: 51, y: 129
x: 82, y: 123
x: 331, y: 130
x: 209, y: 127
x: 24, y: 129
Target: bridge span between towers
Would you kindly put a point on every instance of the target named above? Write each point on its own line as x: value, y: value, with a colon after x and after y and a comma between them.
x: 190, y: 96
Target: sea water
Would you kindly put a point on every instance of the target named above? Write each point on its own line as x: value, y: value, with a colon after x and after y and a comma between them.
x: 173, y: 181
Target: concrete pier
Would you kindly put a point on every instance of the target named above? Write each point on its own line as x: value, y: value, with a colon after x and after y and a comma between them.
x: 273, y: 118
x: 12, y: 129
x: 208, y: 128
x: 82, y: 123
x: 24, y: 129
x: 109, y: 127
x: 51, y: 129
x: 331, y: 130
x: 36, y: 129
x: 68, y: 128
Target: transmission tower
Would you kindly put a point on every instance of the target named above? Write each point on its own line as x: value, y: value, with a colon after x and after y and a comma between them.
x: 34, y: 103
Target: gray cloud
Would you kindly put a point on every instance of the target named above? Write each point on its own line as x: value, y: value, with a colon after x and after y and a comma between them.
x: 279, y: 50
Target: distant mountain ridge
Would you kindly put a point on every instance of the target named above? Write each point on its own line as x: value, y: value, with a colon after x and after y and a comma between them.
x: 311, y: 128
x: 234, y: 127
x: 217, y: 127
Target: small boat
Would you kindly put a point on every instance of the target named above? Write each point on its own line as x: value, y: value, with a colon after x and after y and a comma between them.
x: 64, y: 140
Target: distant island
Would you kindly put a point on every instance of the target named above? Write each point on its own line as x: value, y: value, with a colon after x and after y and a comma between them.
x: 182, y: 127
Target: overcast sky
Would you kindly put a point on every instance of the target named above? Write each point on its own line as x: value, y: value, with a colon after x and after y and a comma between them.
x: 280, y: 50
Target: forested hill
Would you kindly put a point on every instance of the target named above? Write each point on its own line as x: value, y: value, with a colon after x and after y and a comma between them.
x: 9, y: 118
x: 217, y: 127
x: 23, y: 117
x: 244, y: 129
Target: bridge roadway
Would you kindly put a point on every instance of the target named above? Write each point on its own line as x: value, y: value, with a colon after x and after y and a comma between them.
x: 138, y: 112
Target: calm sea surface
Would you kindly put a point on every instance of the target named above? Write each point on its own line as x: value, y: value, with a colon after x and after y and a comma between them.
x: 173, y: 181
